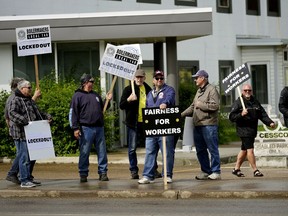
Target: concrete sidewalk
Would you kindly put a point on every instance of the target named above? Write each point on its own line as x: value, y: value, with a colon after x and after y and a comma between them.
x: 59, y: 178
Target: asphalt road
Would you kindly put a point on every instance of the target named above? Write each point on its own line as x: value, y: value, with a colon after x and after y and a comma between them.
x: 142, y: 207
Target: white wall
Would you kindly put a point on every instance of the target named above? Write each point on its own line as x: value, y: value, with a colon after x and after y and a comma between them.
x: 6, y: 66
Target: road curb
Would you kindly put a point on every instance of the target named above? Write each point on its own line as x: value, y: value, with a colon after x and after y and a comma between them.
x: 168, y: 194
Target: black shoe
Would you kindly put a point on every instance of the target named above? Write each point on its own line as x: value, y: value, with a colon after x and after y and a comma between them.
x: 83, y: 179
x: 134, y: 176
x: 37, y: 183
x: 13, y: 179
x: 103, y: 177
x: 157, y: 174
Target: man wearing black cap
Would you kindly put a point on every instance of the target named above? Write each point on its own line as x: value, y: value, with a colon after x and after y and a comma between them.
x: 87, y: 120
x: 133, y: 104
x: 204, y: 109
x: 161, y: 96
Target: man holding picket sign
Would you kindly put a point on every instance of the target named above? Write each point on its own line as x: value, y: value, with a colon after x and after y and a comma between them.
x: 22, y: 111
x: 161, y: 96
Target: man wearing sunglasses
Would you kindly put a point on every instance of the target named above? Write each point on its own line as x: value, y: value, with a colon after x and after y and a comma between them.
x: 246, y: 120
x: 161, y: 96
x: 87, y: 121
x: 204, y: 110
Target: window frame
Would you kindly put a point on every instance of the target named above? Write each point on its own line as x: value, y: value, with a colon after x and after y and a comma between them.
x: 253, y: 12
x: 149, y: 1
x: 230, y: 65
x: 186, y: 2
x: 274, y: 13
x: 224, y: 9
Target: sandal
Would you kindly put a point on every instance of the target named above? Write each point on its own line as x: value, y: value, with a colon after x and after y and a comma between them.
x: 238, y: 173
x: 257, y: 173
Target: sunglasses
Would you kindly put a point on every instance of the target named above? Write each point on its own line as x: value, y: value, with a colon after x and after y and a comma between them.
x: 28, y: 87
x: 247, y: 90
x: 159, y: 78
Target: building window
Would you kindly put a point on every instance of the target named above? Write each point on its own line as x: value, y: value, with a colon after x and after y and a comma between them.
x: 224, y: 6
x: 149, y: 1
x: 225, y: 68
x: 24, y: 66
x: 253, y: 7
x: 285, y: 55
x: 259, y: 82
x: 186, y: 2
x: 273, y: 8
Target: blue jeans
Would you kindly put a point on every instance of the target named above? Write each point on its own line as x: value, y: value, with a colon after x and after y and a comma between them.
x: 206, y: 137
x: 89, y: 136
x: 153, y: 144
x: 24, y: 161
x: 132, y: 147
x: 14, y: 170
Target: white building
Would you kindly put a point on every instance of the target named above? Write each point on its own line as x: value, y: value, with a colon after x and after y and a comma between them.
x: 175, y: 35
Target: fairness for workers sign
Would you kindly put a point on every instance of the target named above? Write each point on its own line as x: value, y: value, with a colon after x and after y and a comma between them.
x: 33, y: 40
x: 161, y: 122
x: 119, y: 61
x: 235, y: 78
x: 39, y: 140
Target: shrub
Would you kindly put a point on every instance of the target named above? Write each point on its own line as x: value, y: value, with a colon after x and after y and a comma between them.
x: 55, y: 100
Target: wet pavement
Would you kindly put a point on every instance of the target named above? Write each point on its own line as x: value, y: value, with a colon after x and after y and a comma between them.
x: 60, y: 178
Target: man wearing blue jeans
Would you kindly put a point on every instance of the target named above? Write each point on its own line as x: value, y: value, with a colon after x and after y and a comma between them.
x: 204, y: 109
x: 87, y: 120
x: 12, y: 174
x: 161, y: 96
x: 133, y: 103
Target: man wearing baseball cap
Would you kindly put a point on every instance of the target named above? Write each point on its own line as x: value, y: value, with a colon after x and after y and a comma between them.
x: 204, y: 110
x: 161, y: 96
x: 133, y: 103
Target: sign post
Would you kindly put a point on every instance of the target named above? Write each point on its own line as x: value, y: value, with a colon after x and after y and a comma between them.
x: 33, y: 41
x: 162, y: 122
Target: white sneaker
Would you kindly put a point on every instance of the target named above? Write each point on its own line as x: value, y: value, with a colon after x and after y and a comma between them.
x: 169, y: 180
x: 202, y: 176
x: 145, y: 180
x: 214, y: 176
x: 27, y: 185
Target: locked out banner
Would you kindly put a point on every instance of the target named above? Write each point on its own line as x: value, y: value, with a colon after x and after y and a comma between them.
x: 33, y: 40
x: 121, y: 61
x: 161, y: 122
x: 236, y: 78
x: 39, y: 140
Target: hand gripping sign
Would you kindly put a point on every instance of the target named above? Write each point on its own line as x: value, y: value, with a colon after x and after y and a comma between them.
x: 236, y: 78
x: 162, y: 122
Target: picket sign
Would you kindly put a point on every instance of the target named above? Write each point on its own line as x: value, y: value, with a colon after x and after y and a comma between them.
x: 39, y: 140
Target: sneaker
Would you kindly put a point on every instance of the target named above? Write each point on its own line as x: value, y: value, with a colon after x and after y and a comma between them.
x: 214, y: 176
x: 157, y: 174
x: 134, y: 176
x: 83, y: 179
x: 27, y: 185
x: 13, y: 179
x: 202, y: 176
x: 103, y: 177
x: 37, y: 183
x: 169, y: 180
x: 145, y: 180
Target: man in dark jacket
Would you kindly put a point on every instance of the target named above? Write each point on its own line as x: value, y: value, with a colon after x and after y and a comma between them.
x: 133, y: 104
x: 22, y: 110
x: 283, y: 104
x: 246, y: 126
x: 87, y: 120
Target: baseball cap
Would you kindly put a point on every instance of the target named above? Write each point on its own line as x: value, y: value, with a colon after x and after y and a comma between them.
x: 140, y: 73
x: 158, y: 73
x: 201, y: 73
x: 85, y: 78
